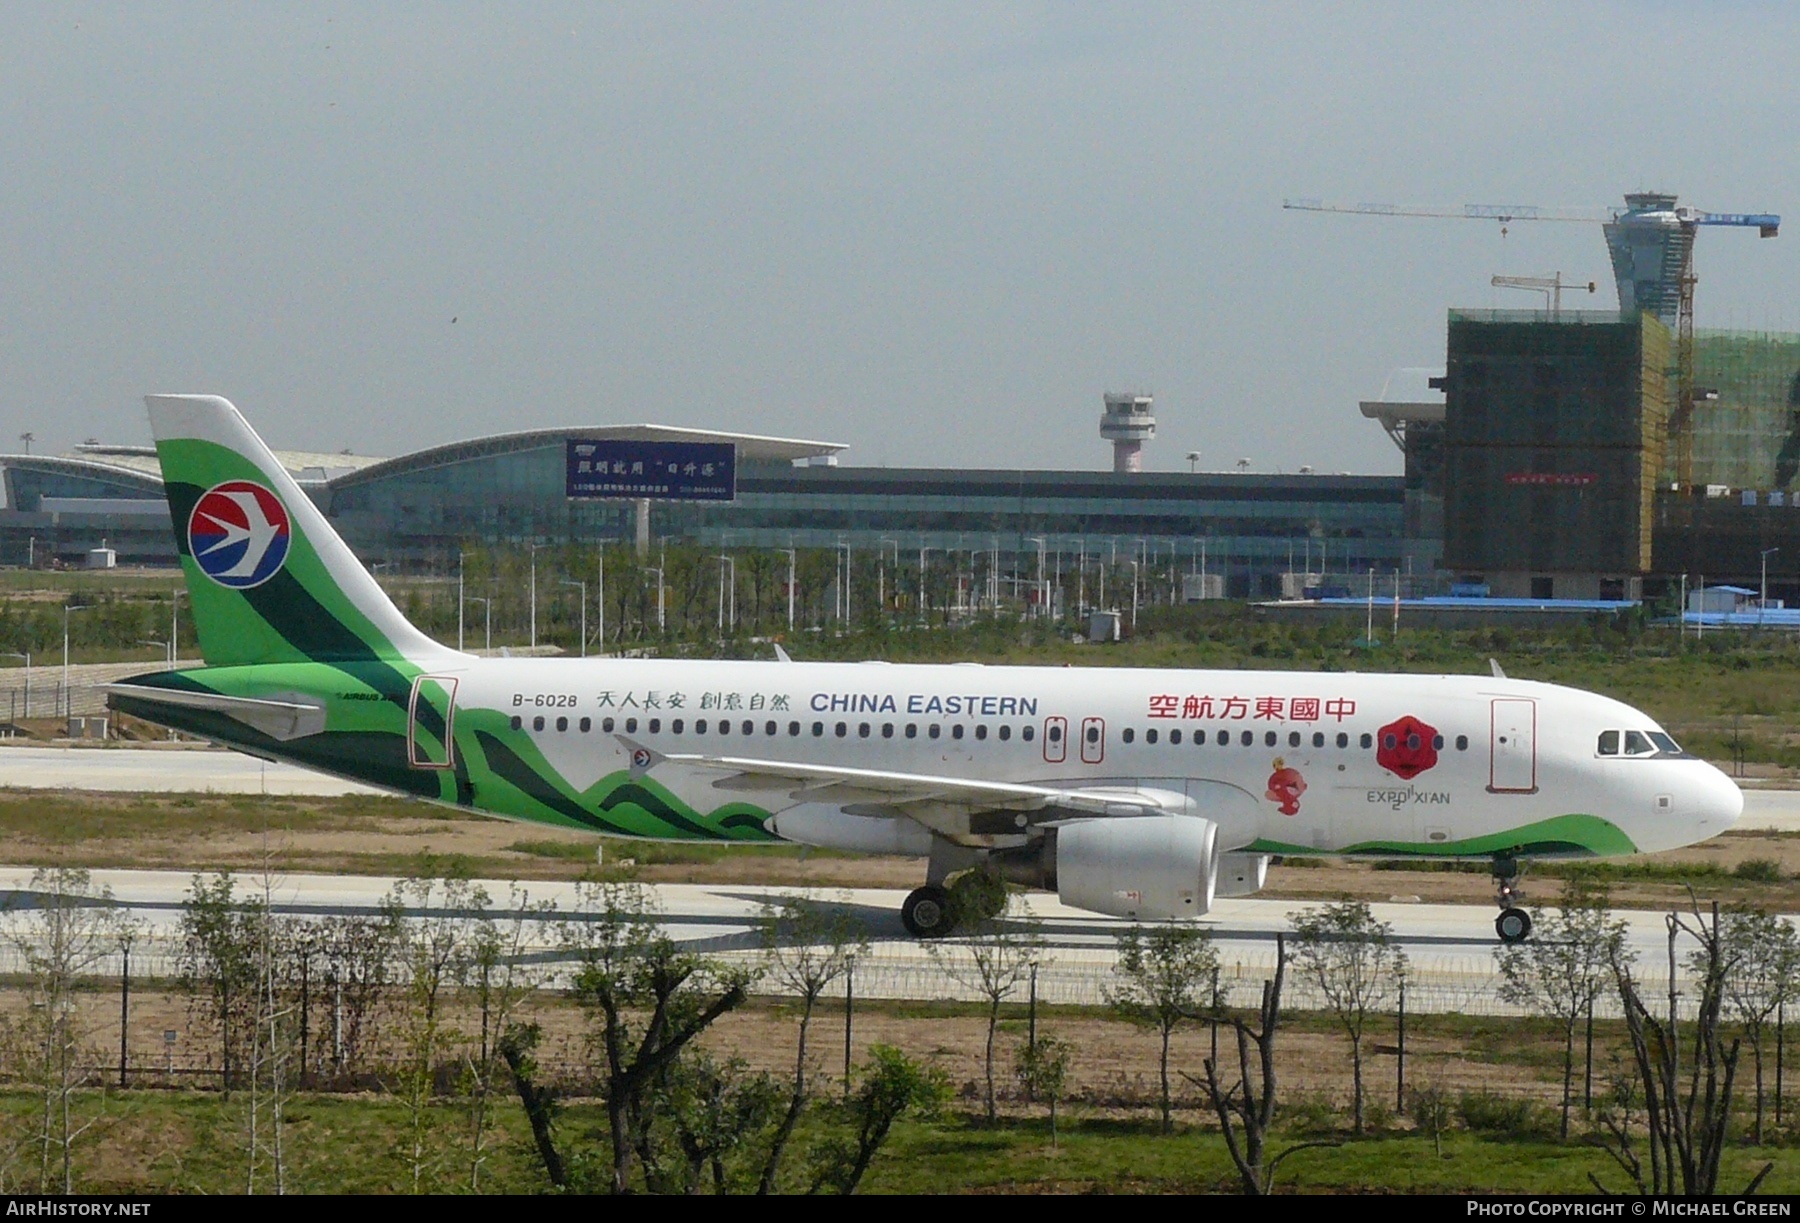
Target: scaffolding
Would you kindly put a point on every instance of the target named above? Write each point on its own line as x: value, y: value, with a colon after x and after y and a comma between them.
x: 1747, y: 409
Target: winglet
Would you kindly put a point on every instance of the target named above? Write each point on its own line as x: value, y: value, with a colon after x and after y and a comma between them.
x: 643, y: 759
x: 1494, y: 664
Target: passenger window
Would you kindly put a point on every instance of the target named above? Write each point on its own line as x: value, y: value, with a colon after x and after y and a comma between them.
x: 842, y: 729
x: 631, y: 726
x: 956, y: 732
x: 887, y: 730
x: 537, y: 723
x: 1343, y: 740
x: 1005, y: 733
x: 724, y: 726
x: 793, y: 729
x: 771, y: 729
x: 655, y: 725
x: 1609, y: 743
x: 587, y: 724
x: 1293, y: 738
x: 1128, y: 734
x: 1055, y: 733
x: 1462, y: 743
x: 1150, y: 735
x: 1093, y: 734
x: 750, y: 727
x: 1318, y: 738
x: 981, y: 731
x: 1269, y: 739
x: 1638, y: 744
x: 700, y: 726
x: 818, y: 729
x: 1175, y: 737
x: 912, y: 730
x: 1224, y: 738
x: 675, y: 726
x: 1248, y: 739
x: 562, y: 725
x: 606, y: 724
x: 935, y: 730
x: 862, y: 730
x: 517, y: 722
x: 1437, y: 742
x: 1026, y: 734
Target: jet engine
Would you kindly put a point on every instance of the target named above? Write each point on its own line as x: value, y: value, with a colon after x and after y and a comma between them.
x: 1149, y: 867
x: 1241, y: 874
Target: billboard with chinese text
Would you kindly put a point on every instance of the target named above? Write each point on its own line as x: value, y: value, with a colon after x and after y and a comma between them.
x: 655, y: 471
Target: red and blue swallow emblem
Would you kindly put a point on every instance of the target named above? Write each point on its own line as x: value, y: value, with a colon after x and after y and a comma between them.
x: 239, y: 534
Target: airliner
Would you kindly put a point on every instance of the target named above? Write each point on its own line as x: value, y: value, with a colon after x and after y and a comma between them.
x: 1136, y: 793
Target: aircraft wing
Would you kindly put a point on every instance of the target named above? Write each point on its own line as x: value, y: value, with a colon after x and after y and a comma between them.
x: 944, y: 804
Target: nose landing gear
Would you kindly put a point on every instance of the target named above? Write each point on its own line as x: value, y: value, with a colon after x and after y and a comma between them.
x: 1514, y: 923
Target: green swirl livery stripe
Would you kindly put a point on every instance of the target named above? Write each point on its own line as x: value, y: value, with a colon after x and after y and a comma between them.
x: 1563, y: 836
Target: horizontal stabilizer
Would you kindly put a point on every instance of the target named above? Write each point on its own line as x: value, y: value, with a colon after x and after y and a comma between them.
x: 280, y: 720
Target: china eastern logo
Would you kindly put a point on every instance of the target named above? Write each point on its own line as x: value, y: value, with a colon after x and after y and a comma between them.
x: 239, y: 534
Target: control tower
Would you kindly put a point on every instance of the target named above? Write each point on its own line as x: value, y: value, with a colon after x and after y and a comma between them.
x: 1128, y: 422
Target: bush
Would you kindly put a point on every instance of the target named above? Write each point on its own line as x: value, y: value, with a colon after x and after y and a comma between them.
x: 1758, y: 870
x: 1487, y: 1112
x: 1313, y: 1112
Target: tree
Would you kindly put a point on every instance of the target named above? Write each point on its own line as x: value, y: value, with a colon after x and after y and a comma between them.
x: 998, y: 956
x: 1246, y: 1109
x: 1354, y: 963
x: 501, y: 976
x: 649, y: 1000
x: 1764, y: 954
x: 1563, y: 968
x: 808, y: 948
x: 1687, y: 1108
x: 69, y: 930
x: 892, y: 1085
x: 220, y: 934
x: 1043, y: 1071
x: 1166, y: 976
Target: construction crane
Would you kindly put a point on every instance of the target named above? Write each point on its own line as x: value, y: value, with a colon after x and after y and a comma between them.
x: 1550, y: 286
x: 1651, y: 242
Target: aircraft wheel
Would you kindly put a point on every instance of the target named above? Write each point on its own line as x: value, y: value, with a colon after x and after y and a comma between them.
x: 1513, y: 925
x: 926, y: 913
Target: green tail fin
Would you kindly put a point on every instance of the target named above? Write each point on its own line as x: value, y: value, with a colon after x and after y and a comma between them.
x: 269, y: 579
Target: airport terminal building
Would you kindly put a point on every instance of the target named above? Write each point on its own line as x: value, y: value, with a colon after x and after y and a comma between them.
x: 1243, y: 533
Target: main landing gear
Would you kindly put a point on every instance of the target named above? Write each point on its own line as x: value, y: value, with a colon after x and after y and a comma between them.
x: 926, y: 912
x: 1514, y: 923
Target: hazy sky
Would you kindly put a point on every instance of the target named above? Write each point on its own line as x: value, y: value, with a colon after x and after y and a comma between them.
x: 936, y: 232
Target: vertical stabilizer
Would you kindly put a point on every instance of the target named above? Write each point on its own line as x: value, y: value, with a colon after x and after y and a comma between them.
x: 269, y: 579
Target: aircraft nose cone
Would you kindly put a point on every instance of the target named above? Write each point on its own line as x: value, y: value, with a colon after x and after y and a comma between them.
x: 1718, y: 804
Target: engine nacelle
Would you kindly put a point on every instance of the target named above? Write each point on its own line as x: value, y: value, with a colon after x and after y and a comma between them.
x: 1150, y: 867
x: 1241, y: 874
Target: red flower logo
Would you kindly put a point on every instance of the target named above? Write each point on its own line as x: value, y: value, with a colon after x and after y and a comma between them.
x: 1406, y: 747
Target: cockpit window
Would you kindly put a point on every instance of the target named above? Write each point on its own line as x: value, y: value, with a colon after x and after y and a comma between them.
x: 1665, y: 744
x: 1638, y: 744
x: 1609, y: 743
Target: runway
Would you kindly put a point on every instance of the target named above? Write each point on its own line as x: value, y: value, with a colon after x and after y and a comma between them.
x: 1450, y: 948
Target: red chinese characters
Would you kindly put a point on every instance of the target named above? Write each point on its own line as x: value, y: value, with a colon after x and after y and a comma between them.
x: 1255, y: 708
x: 1406, y: 747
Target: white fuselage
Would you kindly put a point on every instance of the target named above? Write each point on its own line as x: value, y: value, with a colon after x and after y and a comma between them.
x: 1285, y: 761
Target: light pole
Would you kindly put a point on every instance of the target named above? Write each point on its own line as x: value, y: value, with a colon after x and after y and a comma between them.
x: 460, y: 559
x: 659, y: 595
x: 1134, y: 597
x: 1039, y: 541
x: 487, y: 607
x: 600, y: 599
x: 163, y: 644
x: 534, y: 596
x: 791, y: 565
x: 67, y: 608
x: 727, y: 565
x: 175, y: 625
x: 583, y: 588
x: 1766, y: 554
x: 27, y: 657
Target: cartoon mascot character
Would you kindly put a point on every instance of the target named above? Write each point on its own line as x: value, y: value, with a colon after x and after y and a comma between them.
x: 1285, y: 788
